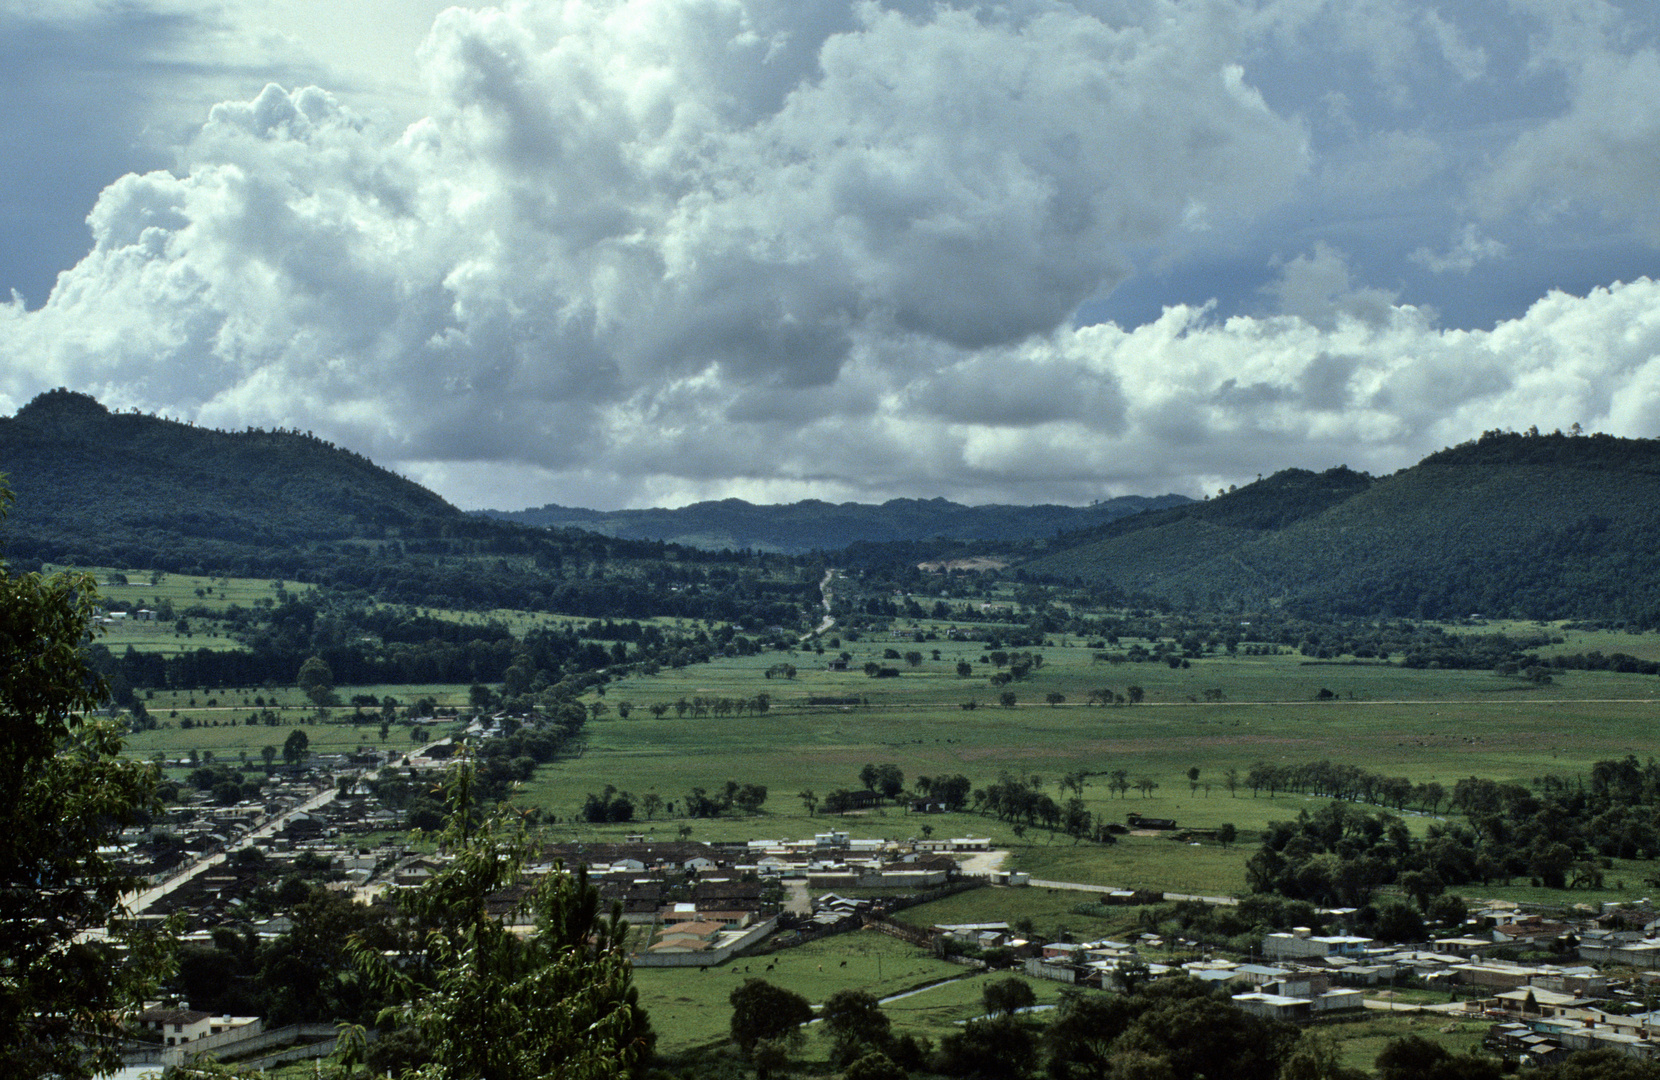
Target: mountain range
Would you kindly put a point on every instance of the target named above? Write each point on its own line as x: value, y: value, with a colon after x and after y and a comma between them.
x: 1517, y: 525
x: 812, y: 525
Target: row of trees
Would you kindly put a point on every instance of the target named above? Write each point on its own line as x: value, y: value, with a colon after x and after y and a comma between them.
x: 1176, y: 1027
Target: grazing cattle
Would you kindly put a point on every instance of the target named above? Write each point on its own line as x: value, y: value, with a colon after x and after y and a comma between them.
x: 844, y: 963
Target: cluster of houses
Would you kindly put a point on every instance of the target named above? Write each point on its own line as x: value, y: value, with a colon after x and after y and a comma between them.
x: 704, y: 901
x: 1539, y: 1011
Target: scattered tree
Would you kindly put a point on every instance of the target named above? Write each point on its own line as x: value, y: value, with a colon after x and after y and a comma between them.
x: 761, y: 1010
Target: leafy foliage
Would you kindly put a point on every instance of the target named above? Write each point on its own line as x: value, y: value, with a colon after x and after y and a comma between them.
x: 564, y: 991
x: 761, y: 1010
x: 64, y: 793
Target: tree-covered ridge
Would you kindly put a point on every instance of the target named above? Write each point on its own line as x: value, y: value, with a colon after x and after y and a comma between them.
x: 128, y: 490
x: 1528, y: 526
x: 812, y: 524
x: 71, y: 458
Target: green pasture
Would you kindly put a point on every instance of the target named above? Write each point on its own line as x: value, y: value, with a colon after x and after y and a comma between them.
x: 159, y: 637
x: 1051, y: 911
x: 215, y: 593
x: 1424, y: 725
x: 797, y: 746
x: 227, y: 740
x: 689, y: 1006
x: 1360, y: 1040
x: 941, y: 1009
x: 1284, y: 681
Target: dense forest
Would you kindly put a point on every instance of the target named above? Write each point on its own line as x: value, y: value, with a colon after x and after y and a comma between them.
x: 1512, y: 525
x: 96, y: 488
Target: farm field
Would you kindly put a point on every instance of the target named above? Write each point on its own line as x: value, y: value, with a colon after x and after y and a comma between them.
x: 1223, y: 713
x: 215, y: 593
x: 1424, y: 725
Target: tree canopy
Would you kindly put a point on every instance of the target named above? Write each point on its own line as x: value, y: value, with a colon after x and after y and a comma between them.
x: 69, y: 968
x: 564, y: 991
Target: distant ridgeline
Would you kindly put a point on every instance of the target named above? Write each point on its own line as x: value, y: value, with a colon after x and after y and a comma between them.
x: 812, y: 525
x: 1511, y: 525
x: 83, y: 475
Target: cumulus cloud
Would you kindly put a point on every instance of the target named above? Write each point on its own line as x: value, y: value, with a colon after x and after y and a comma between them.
x: 624, y: 213
x: 1469, y: 248
x: 1599, y: 154
x: 644, y: 251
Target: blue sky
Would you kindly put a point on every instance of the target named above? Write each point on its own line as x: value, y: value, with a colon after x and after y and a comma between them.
x: 643, y: 252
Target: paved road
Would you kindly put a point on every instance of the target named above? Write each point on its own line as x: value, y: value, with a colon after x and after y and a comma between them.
x: 140, y: 901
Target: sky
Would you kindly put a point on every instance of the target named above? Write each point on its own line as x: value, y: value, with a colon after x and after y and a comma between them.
x: 625, y: 253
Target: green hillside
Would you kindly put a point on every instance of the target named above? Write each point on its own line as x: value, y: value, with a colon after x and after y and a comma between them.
x: 131, y: 488
x: 128, y: 491
x: 1525, y: 526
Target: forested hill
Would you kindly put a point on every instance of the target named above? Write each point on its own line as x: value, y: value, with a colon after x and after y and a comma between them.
x: 814, y: 525
x: 96, y: 488
x: 86, y: 479
x: 1534, y: 526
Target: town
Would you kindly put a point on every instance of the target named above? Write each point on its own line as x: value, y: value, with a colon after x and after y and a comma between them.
x: 717, y: 906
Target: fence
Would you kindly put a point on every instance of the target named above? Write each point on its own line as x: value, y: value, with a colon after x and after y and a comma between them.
x: 242, y: 1044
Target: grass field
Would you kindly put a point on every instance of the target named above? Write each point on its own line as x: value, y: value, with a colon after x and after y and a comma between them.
x: 1425, y: 725
x: 689, y: 1006
x: 1220, y: 713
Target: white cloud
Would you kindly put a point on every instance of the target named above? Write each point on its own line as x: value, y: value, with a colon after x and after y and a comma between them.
x: 1469, y: 248
x: 1599, y: 154
x: 1319, y: 289
x: 655, y: 250
x: 617, y: 209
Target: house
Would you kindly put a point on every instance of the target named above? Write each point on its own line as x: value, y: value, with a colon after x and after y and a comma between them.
x: 1499, y: 976
x: 180, y: 1026
x: 1055, y: 970
x: 1531, y: 930
x: 1466, y: 947
x: 1274, y: 1006
x: 1302, y: 945
x: 1644, y: 953
x: 688, y: 937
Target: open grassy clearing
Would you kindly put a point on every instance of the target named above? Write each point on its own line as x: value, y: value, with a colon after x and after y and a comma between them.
x: 1363, y: 1038
x: 1220, y: 713
x: 1051, y: 911
x: 185, y: 590
x: 228, y: 742
x: 689, y: 1006
x: 160, y: 637
x: 940, y: 1010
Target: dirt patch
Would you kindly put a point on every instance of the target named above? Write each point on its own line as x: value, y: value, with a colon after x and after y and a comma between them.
x: 983, y: 862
